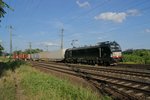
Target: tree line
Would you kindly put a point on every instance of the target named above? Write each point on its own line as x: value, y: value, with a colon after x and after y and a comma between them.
x: 28, y: 51
x: 2, y: 13
x: 1, y: 49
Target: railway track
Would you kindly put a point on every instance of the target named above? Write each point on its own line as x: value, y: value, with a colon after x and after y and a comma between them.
x: 136, y: 66
x: 112, y: 83
x: 140, y: 75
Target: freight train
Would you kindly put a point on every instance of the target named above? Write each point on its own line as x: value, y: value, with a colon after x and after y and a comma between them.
x: 104, y: 53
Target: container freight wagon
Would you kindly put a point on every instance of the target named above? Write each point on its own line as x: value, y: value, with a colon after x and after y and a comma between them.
x: 34, y: 56
x: 44, y: 56
x: 20, y: 56
x: 56, y: 55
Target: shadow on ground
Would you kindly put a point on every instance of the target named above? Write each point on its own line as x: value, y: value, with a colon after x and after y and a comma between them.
x: 10, y: 65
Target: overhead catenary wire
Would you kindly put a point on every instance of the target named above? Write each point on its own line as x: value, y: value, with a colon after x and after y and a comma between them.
x: 36, y: 7
x: 91, y: 23
x: 87, y: 12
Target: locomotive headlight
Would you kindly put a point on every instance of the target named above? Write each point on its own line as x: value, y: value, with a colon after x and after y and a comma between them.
x: 111, y: 55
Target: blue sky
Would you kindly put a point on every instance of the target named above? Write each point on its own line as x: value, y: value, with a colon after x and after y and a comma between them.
x: 88, y: 21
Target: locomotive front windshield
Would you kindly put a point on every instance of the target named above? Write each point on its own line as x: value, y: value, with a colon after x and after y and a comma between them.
x: 115, y: 47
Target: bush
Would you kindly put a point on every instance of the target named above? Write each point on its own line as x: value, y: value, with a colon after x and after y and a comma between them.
x: 141, y: 56
x: 133, y: 58
x: 147, y: 61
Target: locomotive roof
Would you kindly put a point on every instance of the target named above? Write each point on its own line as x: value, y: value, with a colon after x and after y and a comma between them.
x: 85, y: 47
x: 100, y: 44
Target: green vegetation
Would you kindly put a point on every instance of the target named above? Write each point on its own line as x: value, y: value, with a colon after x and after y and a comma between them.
x: 36, y: 85
x: 9, y: 65
x: 7, y: 86
x: 3, y: 59
x: 139, y: 56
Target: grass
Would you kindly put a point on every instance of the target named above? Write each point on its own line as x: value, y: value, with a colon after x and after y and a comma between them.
x: 40, y: 86
x: 4, y: 59
x: 36, y: 85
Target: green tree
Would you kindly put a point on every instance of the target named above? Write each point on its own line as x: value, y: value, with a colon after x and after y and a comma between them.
x: 17, y: 52
x: 28, y: 51
x: 2, y: 10
x: 1, y: 48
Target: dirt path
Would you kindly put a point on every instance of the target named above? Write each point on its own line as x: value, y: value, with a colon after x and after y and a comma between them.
x: 19, y: 90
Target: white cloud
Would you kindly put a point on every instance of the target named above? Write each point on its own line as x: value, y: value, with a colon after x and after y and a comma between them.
x: 49, y: 44
x: 147, y: 30
x: 133, y: 12
x: 42, y: 33
x: 112, y: 16
x: 83, y: 5
x: 117, y: 17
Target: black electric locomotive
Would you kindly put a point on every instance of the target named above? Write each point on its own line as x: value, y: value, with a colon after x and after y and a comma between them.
x: 104, y: 53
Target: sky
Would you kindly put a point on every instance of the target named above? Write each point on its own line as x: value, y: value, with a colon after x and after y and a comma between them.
x: 86, y: 22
